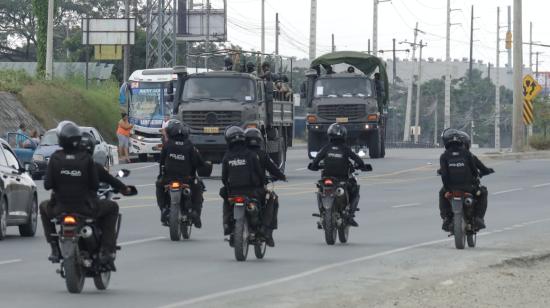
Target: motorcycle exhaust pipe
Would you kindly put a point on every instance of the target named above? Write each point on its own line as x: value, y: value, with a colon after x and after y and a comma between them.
x: 86, y: 232
x: 468, y: 201
x: 187, y: 192
x: 340, y: 191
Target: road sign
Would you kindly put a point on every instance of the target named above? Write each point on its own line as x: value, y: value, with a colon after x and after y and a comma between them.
x: 531, y: 88
x: 108, y: 52
x: 528, y: 115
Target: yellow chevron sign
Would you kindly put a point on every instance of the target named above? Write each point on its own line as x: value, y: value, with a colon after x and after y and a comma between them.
x: 528, y: 115
x: 531, y: 88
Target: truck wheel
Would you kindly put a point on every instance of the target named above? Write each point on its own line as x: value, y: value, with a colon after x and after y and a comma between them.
x: 374, y: 145
x: 314, y: 143
x: 205, y: 171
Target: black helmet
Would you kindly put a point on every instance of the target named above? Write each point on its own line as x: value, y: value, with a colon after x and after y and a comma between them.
x: 176, y: 130
x: 228, y: 62
x: 336, y: 132
x: 69, y: 135
x: 465, y: 139
x: 253, y: 137
x: 87, y: 143
x: 234, y: 134
x: 250, y: 67
x: 451, y: 136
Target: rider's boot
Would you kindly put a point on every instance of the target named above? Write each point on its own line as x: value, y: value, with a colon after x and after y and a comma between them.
x: 480, y: 223
x: 55, y: 255
x: 447, y: 222
x: 353, y: 208
x: 268, y: 234
x: 108, y: 259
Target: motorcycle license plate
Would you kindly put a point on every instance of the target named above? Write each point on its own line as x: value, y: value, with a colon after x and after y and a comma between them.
x: 211, y: 130
x: 239, y: 204
x: 341, y: 120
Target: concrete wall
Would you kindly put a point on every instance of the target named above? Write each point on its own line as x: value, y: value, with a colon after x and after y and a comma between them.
x: 13, y: 113
x: 96, y: 70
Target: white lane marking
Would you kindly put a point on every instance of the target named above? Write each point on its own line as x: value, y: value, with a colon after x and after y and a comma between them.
x: 541, y: 185
x: 405, y: 205
x: 143, y: 167
x: 145, y: 240
x: 144, y: 185
x: 10, y: 261
x: 301, y: 169
x: 323, y: 269
x: 507, y: 191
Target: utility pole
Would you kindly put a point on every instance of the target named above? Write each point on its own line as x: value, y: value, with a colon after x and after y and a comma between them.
x: 531, y: 46
x: 277, y: 33
x: 126, y: 63
x: 418, y: 83
x: 368, y: 47
x: 537, y: 66
x: 517, y: 123
x: 407, y: 128
x: 394, y: 71
x: 312, y: 30
x: 49, y: 42
x: 497, y: 86
x: 333, y: 46
x: 436, y: 135
x: 263, y: 26
x: 207, y: 46
x: 447, y: 108
x: 510, y: 31
x: 471, y: 46
x: 375, y: 26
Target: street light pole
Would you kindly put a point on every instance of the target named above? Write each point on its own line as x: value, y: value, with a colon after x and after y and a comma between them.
x: 49, y: 42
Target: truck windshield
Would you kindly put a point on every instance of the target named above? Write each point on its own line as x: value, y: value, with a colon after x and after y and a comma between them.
x: 148, y: 103
x: 219, y: 88
x: 343, y: 87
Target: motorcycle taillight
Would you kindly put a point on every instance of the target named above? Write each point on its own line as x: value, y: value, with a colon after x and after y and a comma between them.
x: 328, y: 182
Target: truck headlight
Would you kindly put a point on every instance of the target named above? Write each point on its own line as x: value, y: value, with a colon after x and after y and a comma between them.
x: 38, y: 157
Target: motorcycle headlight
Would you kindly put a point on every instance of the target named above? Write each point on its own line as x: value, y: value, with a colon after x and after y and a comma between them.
x: 38, y: 157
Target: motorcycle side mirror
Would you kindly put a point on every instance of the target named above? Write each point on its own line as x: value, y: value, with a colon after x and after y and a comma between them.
x: 133, y: 190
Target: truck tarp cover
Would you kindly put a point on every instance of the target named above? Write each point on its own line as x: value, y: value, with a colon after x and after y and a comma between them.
x: 365, y: 63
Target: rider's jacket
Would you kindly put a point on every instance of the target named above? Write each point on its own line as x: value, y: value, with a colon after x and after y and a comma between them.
x: 337, y: 156
x: 73, y: 178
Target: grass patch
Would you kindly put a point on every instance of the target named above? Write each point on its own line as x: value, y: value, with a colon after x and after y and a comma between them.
x: 539, y: 142
x: 13, y: 81
x: 68, y: 99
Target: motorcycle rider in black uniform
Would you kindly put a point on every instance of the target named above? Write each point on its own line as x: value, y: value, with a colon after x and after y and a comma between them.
x: 179, y: 160
x: 254, y: 141
x: 460, y: 170
x: 336, y: 155
x: 73, y: 177
x: 241, y: 174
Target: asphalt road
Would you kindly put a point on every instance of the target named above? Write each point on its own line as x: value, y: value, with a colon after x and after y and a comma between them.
x: 399, y: 223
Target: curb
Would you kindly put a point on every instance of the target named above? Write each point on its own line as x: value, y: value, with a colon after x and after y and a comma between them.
x: 517, y: 156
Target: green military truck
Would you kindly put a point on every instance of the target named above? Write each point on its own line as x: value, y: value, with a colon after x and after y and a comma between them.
x: 209, y: 102
x: 354, y: 99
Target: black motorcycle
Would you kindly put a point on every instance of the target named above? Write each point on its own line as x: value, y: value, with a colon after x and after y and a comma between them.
x: 181, y: 214
x: 464, y: 228
x: 334, y: 207
x: 247, y: 215
x: 79, y: 239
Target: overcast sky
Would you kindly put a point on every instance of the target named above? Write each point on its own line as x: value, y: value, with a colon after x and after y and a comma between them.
x: 351, y: 23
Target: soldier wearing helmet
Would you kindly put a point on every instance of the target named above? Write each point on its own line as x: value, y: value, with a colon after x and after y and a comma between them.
x: 179, y: 160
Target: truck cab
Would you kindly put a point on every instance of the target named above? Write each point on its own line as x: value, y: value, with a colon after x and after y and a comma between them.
x: 210, y: 102
x: 351, y: 99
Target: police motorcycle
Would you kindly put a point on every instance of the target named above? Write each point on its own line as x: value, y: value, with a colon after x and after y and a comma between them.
x: 180, y: 217
x: 247, y: 215
x: 464, y: 228
x: 334, y: 206
x: 79, y: 241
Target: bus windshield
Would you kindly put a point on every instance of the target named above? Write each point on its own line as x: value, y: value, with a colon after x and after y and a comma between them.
x: 343, y: 87
x: 148, y: 104
x: 219, y: 88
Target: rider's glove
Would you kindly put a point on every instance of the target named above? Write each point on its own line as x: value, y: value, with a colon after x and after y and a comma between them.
x: 312, y: 167
x: 366, y: 167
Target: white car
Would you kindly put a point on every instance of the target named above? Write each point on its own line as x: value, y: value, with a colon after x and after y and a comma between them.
x: 103, y: 153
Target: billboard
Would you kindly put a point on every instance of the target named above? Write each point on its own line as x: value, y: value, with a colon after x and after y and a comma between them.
x: 196, y: 20
x: 108, y: 31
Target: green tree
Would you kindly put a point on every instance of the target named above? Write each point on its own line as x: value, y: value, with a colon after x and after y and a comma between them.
x: 40, y: 9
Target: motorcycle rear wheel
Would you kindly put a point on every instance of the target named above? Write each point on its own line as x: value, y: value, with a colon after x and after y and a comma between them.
x: 175, y: 222
x: 102, y: 280
x: 459, y: 231
x: 241, y: 240
x: 74, y: 275
x: 329, y: 225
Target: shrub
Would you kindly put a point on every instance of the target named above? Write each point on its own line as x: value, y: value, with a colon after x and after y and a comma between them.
x: 539, y: 142
x: 13, y: 81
